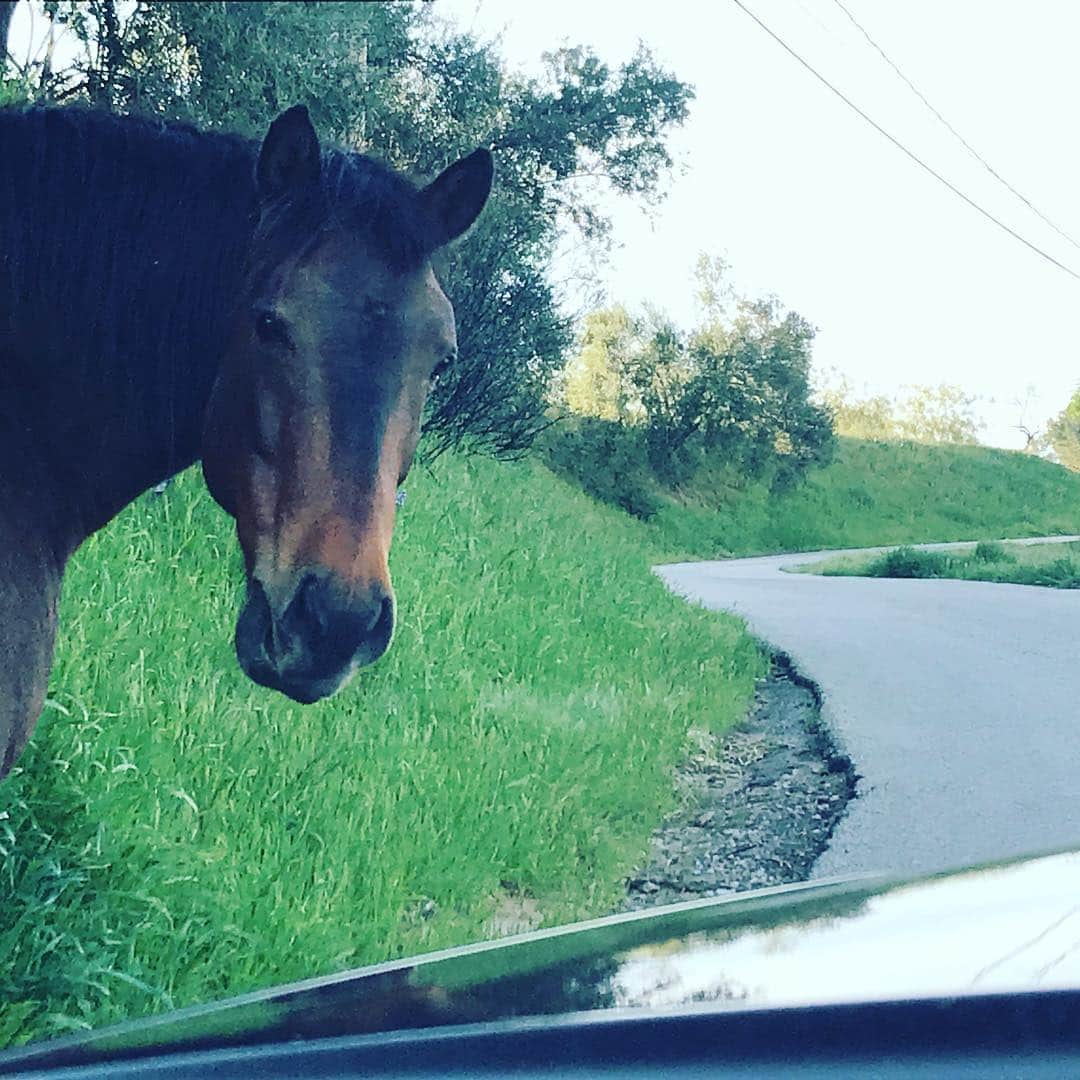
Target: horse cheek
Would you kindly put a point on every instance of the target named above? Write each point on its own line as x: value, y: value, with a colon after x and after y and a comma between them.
x: 29, y: 596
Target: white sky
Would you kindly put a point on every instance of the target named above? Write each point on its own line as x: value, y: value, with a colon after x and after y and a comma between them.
x: 905, y: 282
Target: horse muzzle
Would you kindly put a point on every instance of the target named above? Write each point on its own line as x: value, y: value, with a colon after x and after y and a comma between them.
x: 308, y: 646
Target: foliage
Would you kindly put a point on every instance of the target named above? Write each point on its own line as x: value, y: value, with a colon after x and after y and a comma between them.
x: 991, y: 551
x: 608, y: 460
x: 860, y: 417
x: 926, y: 414
x: 871, y: 494
x: 938, y: 414
x: 1063, y: 434
x: 737, y: 385
x: 176, y: 833
x: 597, y: 380
x: 906, y: 562
x: 1034, y: 564
x: 390, y: 79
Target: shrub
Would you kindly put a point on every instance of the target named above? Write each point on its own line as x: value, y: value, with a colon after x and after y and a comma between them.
x: 1060, y: 574
x: 906, y: 562
x: 989, y: 551
x: 608, y: 460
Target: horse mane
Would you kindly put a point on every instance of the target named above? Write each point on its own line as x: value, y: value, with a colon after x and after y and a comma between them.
x: 123, y: 243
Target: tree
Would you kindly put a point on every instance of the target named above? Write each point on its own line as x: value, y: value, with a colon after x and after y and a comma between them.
x: 392, y: 80
x: 870, y: 418
x: 929, y: 414
x: 1063, y: 434
x: 1035, y: 441
x: 737, y: 384
x: 938, y: 414
x: 7, y: 7
x: 598, y: 379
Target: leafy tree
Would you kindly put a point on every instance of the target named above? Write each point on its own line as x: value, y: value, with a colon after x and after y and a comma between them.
x: 598, y: 380
x: 938, y: 414
x: 737, y: 384
x: 750, y: 394
x: 928, y: 414
x: 869, y: 418
x: 1063, y: 434
x: 392, y: 80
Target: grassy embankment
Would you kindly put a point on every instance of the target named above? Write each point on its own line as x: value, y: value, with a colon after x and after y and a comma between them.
x: 873, y: 494
x: 176, y: 834
x: 1053, y: 565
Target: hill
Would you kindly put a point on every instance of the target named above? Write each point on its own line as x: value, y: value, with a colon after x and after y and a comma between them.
x: 872, y: 493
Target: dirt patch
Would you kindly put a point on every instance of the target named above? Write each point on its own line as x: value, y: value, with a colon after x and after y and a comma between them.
x: 758, y: 804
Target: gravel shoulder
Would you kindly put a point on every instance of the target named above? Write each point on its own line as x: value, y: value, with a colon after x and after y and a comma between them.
x: 758, y: 804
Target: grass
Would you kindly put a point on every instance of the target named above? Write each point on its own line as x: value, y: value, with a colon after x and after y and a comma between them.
x: 1054, y: 565
x: 873, y: 494
x: 876, y: 494
x: 175, y: 833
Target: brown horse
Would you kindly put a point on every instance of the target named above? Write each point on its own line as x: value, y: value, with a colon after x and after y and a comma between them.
x: 168, y: 294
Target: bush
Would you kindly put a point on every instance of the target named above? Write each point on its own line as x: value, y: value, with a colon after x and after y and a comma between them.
x: 906, y: 562
x: 990, y: 551
x: 1060, y: 574
x: 609, y: 461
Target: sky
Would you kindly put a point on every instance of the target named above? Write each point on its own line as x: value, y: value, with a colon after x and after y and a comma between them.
x: 905, y: 282
x: 805, y: 200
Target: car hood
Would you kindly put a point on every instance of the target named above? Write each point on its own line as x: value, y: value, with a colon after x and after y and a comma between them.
x: 1010, y: 927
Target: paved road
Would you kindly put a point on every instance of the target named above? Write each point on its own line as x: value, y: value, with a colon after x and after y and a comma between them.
x: 957, y: 701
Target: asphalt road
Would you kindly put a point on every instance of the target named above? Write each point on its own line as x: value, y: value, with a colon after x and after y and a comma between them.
x: 958, y: 703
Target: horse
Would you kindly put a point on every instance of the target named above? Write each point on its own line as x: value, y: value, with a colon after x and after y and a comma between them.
x: 170, y: 295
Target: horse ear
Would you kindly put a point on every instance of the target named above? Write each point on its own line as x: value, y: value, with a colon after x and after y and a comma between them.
x: 457, y: 195
x: 289, y: 156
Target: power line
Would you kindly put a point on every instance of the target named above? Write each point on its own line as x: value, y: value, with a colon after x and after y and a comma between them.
x: 900, y: 146
x: 967, y: 146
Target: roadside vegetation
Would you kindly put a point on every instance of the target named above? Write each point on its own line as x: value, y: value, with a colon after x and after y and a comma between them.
x: 175, y: 833
x: 1054, y: 565
x: 871, y: 494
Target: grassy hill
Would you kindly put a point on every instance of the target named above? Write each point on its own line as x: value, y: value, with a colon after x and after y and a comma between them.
x: 176, y: 833
x: 873, y: 493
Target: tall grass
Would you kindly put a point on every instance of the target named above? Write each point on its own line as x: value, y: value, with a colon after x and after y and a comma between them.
x: 175, y: 833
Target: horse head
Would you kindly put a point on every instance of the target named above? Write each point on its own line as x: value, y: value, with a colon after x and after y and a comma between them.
x: 340, y: 331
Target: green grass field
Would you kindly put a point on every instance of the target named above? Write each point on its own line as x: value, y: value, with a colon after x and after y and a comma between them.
x: 875, y: 494
x: 176, y: 834
x: 1052, y: 565
x: 872, y: 494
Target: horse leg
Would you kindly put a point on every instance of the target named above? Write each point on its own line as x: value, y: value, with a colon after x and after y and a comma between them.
x: 29, y: 594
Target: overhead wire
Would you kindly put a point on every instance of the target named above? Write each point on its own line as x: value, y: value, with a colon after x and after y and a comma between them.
x: 900, y: 146
x: 967, y: 146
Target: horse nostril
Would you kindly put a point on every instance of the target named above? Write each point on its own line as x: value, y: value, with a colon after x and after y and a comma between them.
x: 310, y: 605
x: 255, y: 638
x: 378, y: 612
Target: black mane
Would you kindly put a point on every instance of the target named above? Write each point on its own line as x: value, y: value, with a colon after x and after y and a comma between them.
x: 123, y: 243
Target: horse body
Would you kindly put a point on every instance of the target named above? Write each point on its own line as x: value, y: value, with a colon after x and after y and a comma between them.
x: 168, y: 294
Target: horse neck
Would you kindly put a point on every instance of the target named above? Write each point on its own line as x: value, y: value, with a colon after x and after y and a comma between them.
x: 119, y: 301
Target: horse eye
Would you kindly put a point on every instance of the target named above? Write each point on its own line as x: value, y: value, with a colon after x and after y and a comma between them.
x: 442, y: 365
x: 271, y: 329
